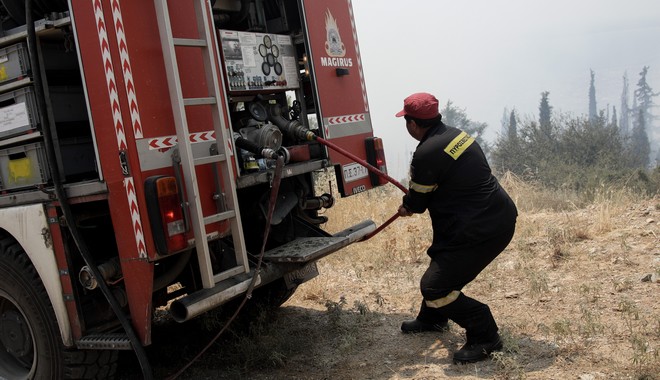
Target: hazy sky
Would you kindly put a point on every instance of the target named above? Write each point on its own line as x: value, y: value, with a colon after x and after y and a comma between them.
x: 485, y: 55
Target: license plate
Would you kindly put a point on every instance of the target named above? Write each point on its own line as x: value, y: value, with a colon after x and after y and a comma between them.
x: 354, y: 171
x: 306, y: 273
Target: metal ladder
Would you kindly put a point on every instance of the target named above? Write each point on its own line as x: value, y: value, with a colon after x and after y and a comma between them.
x: 205, y: 43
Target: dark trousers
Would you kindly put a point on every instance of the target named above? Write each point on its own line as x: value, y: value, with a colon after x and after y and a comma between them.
x: 450, y: 270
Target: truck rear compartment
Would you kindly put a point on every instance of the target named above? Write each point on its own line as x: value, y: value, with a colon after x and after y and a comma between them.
x: 260, y: 101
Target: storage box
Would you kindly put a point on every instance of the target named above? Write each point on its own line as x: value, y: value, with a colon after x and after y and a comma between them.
x: 23, y: 166
x: 18, y: 112
x: 14, y: 62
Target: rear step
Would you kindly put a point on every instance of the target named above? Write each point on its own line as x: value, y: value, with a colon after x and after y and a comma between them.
x: 110, y: 341
x: 296, y: 252
x: 303, y: 250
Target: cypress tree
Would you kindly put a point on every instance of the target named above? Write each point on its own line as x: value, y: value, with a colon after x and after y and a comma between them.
x: 545, y: 113
x: 513, y: 126
x: 639, y: 142
x: 593, y: 112
x: 504, y: 122
x: 642, y: 120
x: 624, y: 124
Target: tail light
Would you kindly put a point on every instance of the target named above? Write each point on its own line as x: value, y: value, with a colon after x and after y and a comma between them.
x: 165, y: 214
x: 376, y: 157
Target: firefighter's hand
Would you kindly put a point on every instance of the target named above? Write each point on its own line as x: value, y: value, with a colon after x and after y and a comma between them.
x: 403, y: 211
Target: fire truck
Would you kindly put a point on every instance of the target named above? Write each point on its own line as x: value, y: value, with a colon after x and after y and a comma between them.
x: 163, y: 154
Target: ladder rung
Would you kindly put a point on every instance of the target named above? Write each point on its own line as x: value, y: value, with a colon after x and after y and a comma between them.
x: 231, y: 273
x: 198, y: 101
x: 188, y: 42
x: 219, y: 217
x: 210, y: 159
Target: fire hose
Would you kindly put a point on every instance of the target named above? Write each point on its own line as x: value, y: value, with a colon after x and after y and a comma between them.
x: 374, y: 170
x: 296, y: 130
x: 308, y: 135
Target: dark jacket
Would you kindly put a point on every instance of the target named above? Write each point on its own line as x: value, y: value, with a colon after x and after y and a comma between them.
x: 452, y: 179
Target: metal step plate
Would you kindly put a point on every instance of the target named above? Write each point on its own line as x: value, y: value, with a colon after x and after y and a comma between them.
x: 306, y: 249
x: 115, y: 341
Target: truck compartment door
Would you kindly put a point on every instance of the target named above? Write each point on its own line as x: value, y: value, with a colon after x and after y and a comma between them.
x: 338, y: 82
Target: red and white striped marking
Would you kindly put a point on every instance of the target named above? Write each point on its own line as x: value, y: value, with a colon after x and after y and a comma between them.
x: 135, y: 216
x: 335, y: 120
x: 110, y: 76
x: 359, y: 60
x: 118, y: 125
x: 229, y: 146
x: 202, y: 137
x: 129, y: 85
x: 171, y: 141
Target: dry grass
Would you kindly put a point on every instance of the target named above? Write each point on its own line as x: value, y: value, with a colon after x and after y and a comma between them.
x: 567, y: 294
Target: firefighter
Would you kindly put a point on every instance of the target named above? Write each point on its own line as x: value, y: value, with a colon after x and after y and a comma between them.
x: 473, y: 220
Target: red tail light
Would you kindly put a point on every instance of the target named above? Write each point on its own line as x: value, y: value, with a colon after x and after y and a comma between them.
x: 165, y: 214
x: 376, y: 157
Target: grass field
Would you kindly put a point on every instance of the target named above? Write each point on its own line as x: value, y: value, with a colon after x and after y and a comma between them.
x: 575, y: 295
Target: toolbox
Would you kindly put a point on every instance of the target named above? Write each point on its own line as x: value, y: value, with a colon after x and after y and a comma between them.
x: 18, y: 112
x: 23, y: 166
x: 14, y: 63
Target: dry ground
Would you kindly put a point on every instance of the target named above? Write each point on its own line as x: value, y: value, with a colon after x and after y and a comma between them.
x: 575, y: 295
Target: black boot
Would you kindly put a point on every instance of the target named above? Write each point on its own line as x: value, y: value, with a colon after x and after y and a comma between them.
x: 480, y: 329
x: 428, y: 319
x: 474, y: 352
x: 416, y: 326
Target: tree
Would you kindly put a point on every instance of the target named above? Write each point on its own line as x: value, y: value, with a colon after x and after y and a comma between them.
x: 504, y: 122
x: 507, y: 153
x: 639, y: 148
x: 642, y: 120
x: 644, y: 96
x: 593, y: 111
x: 613, y: 122
x: 591, y: 143
x: 545, y: 112
x: 512, y: 132
x: 624, y: 124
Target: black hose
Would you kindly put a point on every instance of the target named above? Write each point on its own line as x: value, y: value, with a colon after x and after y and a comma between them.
x: 61, y: 196
x: 277, y: 179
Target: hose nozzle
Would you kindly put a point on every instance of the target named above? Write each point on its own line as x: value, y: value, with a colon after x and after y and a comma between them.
x: 293, y: 128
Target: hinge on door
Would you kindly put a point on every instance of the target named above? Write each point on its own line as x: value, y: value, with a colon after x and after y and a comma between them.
x: 123, y: 161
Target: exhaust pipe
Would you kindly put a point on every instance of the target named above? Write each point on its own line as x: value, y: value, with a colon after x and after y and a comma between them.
x: 204, y: 300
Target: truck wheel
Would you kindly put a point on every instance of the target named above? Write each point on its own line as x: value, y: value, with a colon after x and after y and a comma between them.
x: 30, y: 341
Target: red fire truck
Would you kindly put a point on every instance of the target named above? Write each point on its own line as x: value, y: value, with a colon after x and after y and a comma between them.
x: 141, y: 142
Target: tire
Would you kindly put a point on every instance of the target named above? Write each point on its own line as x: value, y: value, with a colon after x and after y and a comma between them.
x: 274, y: 294
x: 30, y: 341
